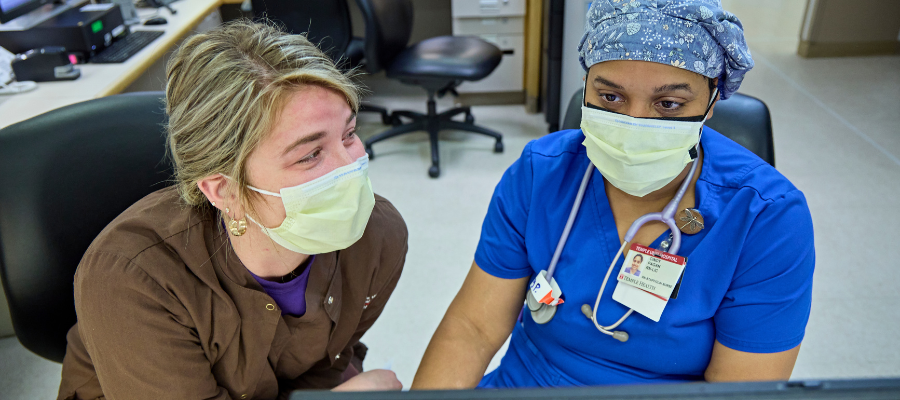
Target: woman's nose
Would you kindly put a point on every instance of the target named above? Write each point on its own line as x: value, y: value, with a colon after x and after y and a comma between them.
x: 344, y: 157
x: 639, y: 111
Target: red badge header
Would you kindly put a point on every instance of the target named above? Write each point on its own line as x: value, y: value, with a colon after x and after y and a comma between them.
x: 658, y: 254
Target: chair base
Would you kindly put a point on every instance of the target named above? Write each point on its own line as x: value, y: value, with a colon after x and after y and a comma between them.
x: 433, y: 122
x: 385, y: 115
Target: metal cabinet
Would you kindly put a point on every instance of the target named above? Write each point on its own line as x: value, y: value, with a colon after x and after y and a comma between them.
x: 501, y: 22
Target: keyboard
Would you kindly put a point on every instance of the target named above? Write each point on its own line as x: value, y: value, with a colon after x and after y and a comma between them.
x: 125, y: 47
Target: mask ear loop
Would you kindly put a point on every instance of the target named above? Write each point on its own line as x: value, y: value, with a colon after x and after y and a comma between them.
x: 694, y: 152
x: 261, y: 226
x: 712, y: 100
x: 258, y: 190
x: 584, y: 92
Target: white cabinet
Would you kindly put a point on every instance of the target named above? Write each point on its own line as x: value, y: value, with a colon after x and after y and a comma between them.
x: 501, y: 22
x: 488, y: 8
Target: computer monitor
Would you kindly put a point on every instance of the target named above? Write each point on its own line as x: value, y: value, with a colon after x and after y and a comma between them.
x: 853, y: 389
x: 12, y: 9
x: 22, y: 15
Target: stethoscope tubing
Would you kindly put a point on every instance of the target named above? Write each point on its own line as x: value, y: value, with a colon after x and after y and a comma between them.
x: 608, y: 329
x: 571, y: 221
x: 666, y: 216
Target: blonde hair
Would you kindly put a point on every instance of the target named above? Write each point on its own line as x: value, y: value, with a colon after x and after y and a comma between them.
x: 225, y: 90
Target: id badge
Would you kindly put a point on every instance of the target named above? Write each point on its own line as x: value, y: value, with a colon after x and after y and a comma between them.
x: 647, y: 280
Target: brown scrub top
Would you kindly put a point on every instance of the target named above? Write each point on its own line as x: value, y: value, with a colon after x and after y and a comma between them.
x: 166, y: 310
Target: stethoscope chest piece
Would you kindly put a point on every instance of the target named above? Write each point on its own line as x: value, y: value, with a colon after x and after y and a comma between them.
x: 540, y: 312
x: 690, y: 221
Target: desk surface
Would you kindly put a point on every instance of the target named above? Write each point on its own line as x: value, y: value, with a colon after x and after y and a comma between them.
x: 99, y: 80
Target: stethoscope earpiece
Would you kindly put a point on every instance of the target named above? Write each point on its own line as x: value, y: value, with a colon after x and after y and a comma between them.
x: 621, y: 336
x: 586, y: 310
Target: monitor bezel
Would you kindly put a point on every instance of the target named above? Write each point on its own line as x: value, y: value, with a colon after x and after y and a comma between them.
x: 24, y: 8
x: 856, y: 389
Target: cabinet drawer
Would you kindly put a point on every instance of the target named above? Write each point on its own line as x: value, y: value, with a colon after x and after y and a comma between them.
x: 509, y: 74
x: 488, y: 8
x: 488, y: 25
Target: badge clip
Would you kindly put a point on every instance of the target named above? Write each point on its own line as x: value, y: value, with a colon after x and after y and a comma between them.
x: 543, y: 297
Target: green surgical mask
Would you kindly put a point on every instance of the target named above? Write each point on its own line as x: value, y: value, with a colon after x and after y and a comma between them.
x: 327, y: 214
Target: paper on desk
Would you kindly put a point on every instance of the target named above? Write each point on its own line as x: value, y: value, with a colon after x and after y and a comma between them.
x: 97, y: 7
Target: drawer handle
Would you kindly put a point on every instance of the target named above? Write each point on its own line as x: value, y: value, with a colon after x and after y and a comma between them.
x: 508, y: 52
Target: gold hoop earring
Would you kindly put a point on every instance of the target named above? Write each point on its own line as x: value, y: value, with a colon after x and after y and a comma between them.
x: 236, y: 227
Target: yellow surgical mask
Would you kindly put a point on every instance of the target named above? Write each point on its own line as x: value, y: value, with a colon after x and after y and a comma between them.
x: 639, y: 155
x: 327, y: 214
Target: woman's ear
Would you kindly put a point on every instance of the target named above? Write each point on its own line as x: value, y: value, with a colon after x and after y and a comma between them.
x: 216, y: 189
x: 716, y: 100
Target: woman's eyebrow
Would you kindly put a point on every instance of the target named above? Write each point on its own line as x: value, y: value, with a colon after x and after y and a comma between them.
x: 607, y: 82
x: 311, y: 138
x: 303, y: 140
x: 673, y: 87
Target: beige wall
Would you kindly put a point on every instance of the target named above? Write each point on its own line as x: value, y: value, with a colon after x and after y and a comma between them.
x: 767, y: 20
x: 850, y: 28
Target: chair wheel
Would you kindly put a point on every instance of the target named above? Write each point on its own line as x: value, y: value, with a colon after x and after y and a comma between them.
x: 498, y: 147
x: 470, y: 119
x: 370, y: 153
x: 434, y: 171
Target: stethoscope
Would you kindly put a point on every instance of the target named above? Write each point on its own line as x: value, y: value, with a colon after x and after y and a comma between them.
x: 543, y: 313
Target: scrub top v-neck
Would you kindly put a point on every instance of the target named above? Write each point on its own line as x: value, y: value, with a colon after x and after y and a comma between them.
x: 747, y: 284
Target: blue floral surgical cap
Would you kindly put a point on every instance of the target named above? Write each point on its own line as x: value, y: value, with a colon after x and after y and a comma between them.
x: 697, y: 35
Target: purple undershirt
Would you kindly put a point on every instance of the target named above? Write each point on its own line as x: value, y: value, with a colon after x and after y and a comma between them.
x: 290, y: 296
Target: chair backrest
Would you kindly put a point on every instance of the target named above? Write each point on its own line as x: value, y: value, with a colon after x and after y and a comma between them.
x: 744, y: 119
x: 326, y: 23
x: 64, y: 176
x: 388, y: 28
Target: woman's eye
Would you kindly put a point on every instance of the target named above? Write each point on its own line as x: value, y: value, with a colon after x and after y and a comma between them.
x: 310, y: 158
x: 669, y: 105
x: 350, y: 136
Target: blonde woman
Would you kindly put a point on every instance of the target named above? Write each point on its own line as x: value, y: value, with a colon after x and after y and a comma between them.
x: 260, y: 269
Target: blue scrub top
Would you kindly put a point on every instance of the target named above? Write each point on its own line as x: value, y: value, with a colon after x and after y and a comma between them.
x: 747, y: 283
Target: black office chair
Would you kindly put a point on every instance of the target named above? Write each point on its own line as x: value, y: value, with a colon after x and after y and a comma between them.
x: 64, y: 176
x: 438, y: 65
x: 327, y: 24
x: 744, y: 119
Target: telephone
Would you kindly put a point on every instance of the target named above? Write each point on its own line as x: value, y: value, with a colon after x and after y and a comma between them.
x: 7, y: 78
